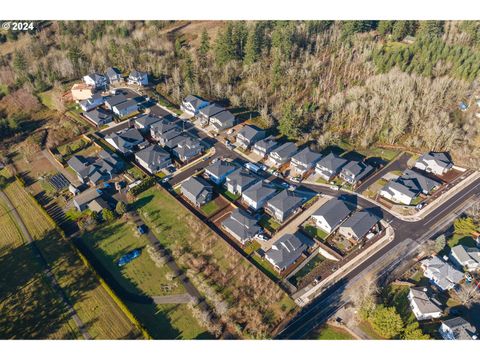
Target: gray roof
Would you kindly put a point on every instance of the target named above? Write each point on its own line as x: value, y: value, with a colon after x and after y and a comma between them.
x: 77, y: 163
x: 286, y: 150
x: 334, y: 212
x: 401, y: 188
x: 461, y: 328
x: 241, y: 177
x: 163, y: 126
x: 193, y: 100
x: 444, y: 273
x: 242, y: 225
x: 146, y: 120
x: 357, y: 168
x: 285, y: 201
x: 126, y: 104
x: 186, y: 145
x: 116, y: 99
x: 286, y: 250
x: 268, y: 143
x: 249, y: 132
x: 224, y: 116
x: 332, y: 162
x: 307, y: 156
x: 98, y: 115
x: 197, y: 187
x: 153, y: 154
x: 137, y: 74
x: 211, y: 110
x: 130, y: 136
x: 440, y: 158
x: 361, y: 222
x: 112, y: 72
x: 96, y: 76
x: 464, y: 254
x: 414, y: 180
x: 220, y: 168
x: 258, y: 192
x: 86, y: 196
x: 425, y: 303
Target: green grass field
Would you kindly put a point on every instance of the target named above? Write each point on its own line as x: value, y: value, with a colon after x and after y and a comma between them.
x: 329, y: 332
x: 90, y: 300
x: 142, y: 278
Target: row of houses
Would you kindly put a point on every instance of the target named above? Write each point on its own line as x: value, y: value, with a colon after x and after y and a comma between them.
x: 114, y: 76
x: 208, y: 113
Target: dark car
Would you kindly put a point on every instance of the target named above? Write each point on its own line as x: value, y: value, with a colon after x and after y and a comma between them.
x: 142, y: 229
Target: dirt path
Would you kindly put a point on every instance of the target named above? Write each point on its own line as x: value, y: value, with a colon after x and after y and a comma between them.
x: 47, y: 271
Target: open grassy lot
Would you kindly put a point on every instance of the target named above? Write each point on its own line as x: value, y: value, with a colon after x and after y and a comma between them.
x: 96, y: 308
x: 222, y: 274
x: 30, y: 308
x: 329, y: 332
x: 140, y: 279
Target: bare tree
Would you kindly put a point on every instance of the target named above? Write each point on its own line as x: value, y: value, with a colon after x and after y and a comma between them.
x: 469, y: 294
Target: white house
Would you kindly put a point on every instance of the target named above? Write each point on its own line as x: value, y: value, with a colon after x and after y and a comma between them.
x: 126, y: 108
x: 424, y: 306
x: 257, y: 195
x: 442, y: 274
x: 91, y: 103
x: 398, y: 193
x: 138, y: 78
x: 457, y: 329
x: 464, y: 257
x: 95, y: 80
x: 192, y: 104
x: 436, y: 163
x: 331, y: 214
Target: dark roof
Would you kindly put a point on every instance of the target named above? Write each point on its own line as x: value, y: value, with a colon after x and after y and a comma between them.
x: 332, y: 162
x: 268, y: 143
x: 97, y: 115
x: 461, y: 328
x: 249, y: 132
x: 86, y: 196
x: 401, y: 188
x: 285, y: 201
x: 241, y: 177
x: 116, y: 99
x: 193, y: 100
x: 137, y: 74
x: 126, y: 104
x: 414, y: 180
x: 361, y: 222
x: 146, y: 120
x: 211, y: 110
x: 163, y: 126
x: 224, y: 116
x: 286, y: 150
x: 242, y: 225
x: 153, y: 154
x: 357, y: 168
x: 220, y: 168
x: 258, y: 191
x: 112, y: 72
x: 286, y: 250
x: 77, y: 163
x: 334, y: 212
x: 307, y: 156
x: 197, y: 187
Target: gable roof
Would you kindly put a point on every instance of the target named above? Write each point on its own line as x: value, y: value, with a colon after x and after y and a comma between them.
x: 241, y: 177
x: 361, y: 222
x: 162, y: 126
x: 97, y: 115
x: 401, y: 188
x: 86, y: 196
x: 414, y: 180
x: 153, y: 154
x: 224, y: 116
x: 285, y: 201
x: 357, y: 168
x: 242, y: 225
x: 445, y: 273
x: 249, y: 132
x: 123, y: 139
x: 220, y: 168
x: 112, y: 72
x: 193, y: 100
x: 125, y: 104
x: 334, y: 212
x: 267, y: 143
x: 211, y: 110
x: 197, y: 187
x: 307, y: 156
x: 285, y: 150
x: 286, y: 250
x: 464, y: 254
x: 331, y: 162
x: 258, y: 191
x: 461, y: 328
x: 425, y: 303
x: 135, y: 74
x: 146, y: 120
x: 440, y: 158
x: 115, y: 99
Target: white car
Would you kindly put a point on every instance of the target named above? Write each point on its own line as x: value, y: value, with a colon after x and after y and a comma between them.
x: 262, y: 237
x: 334, y: 187
x: 229, y: 132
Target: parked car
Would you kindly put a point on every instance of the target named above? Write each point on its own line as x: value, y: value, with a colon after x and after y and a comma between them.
x: 230, y: 132
x: 335, y: 187
x: 262, y: 237
x: 142, y: 229
x: 420, y: 206
x: 292, y: 188
x: 230, y: 146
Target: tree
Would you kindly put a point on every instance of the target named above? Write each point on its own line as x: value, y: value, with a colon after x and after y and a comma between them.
x: 464, y: 226
x: 204, y: 47
x: 108, y: 215
x: 469, y: 293
x: 121, y: 208
x: 440, y: 243
x: 385, y: 27
x: 413, y: 332
x: 224, y: 47
x: 431, y: 29
x: 289, y: 124
x: 253, y: 45
x: 3, y: 182
x: 386, y: 321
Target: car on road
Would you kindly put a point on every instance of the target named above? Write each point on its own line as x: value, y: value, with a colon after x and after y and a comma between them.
x: 284, y: 185
x: 166, y: 179
x: 296, y: 179
x: 230, y: 146
x: 262, y: 237
x: 142, y: 229
x: 335, y: 187
x: 292, y: 188
x: 277, y: 174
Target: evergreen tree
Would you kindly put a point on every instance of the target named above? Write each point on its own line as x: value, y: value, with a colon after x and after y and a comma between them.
x: 239, y: 39
x: 108, y: 215
x: 385, y: 27
x: 413, y: 332
x: 253, y: 45
x: 204, y: 46
x: 289, y: 124
x: 121, y: 208
x: 386, y: 321
x: 430, y: 29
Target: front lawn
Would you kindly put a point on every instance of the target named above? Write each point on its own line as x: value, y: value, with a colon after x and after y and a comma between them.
x: 227, y: 194
x: 329, y: 332
x: 460, y: 239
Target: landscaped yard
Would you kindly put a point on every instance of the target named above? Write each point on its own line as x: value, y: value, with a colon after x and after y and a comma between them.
x: 142, y: 278
x: 316, y: 232
x: 91, y: 301
x: 269, y: 223
x: 227, y: 194
x: 312, y: 264
x: 73, y: 147
x: 210, y: 208
x: 459, y: 239
x: 213, y: 265
x: 329, y: 332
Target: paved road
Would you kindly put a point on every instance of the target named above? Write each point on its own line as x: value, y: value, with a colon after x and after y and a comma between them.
x: 47, y: 271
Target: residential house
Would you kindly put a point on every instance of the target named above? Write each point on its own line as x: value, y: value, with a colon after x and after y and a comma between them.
x: 458, y: 329
x: 97, y: 205
x: 158, y: 129
x: 114, y: 75
x: 265, y: 146
x: 126, y: 108
x: 187, y: 149
x: 218, y: 171
x: 249, y: 135
x: 125, y: 140
x: 466, y: 257
x: 282, y: 154
x: 222, y: 120
x: 92, y: 102
x: 192, y: 104
x: 205, y: 113
x: 285, y: 252
x: 138, y: 78
x: 96, y: 170
x: 329, y: 166
x: 145, y: 121
x: 304, y: 160
x: 81, y: 92
x: 398, y: 193
x: 111, y: 101
x: 436, y: 163
x: 331, y: 214
x: 424, y: 306
x: 96, y: 80
x: 441, y: 273
x: 82, y: 200
x: 166, y: 139
x: 241, y: 226
x: 283, y: 205
x: 153, y: 158
x: 359, y: 225
x: 239, y: 180
x: 257, y: 195
x: 355, y: 171
x: 197, y: 191
x: 99, y: 116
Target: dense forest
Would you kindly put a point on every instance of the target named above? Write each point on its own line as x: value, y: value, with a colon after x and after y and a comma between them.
x: 365, y: 82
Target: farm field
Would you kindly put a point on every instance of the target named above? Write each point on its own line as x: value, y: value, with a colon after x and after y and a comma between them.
x: 140, y: 279
x: 211, y: 263
x: 30, y: 308
x: 102, y: 316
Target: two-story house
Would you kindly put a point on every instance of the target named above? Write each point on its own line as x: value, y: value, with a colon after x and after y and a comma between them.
x: 249, y: 135
x: 283, y: 205
x: 282, y: 154
x: 257, y: 195
x: 304, y: 160
x: 329, y: 166
x: 153, y: 158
